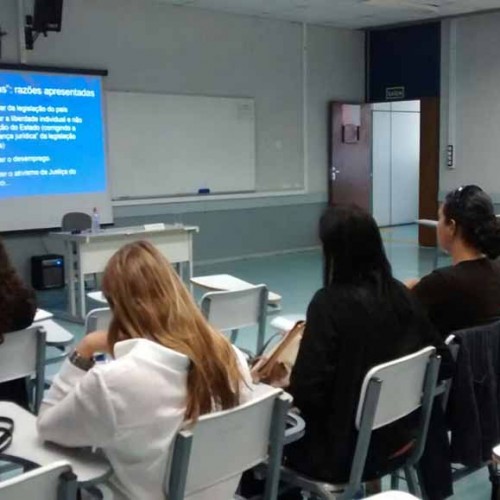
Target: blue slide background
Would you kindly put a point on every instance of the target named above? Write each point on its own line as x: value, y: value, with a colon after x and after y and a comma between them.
x: 86, y: 154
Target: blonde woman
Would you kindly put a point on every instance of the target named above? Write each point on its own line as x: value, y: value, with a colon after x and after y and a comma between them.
x: 169, y: 366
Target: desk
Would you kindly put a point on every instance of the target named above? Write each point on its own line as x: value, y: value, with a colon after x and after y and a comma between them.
x: 28, y: 448
x: 88, y: 253
x: 98, y: 297
x: 56, y: 336
x: 229, y: 283
x: 42, y: 315
x: 427, y: 222
x: 432, y: 224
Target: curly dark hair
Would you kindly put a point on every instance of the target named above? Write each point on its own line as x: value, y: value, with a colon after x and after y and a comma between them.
x: 474, y: 214
x: 17, y: 301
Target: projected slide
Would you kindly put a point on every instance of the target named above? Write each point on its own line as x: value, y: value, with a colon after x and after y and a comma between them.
x: 51, y: 134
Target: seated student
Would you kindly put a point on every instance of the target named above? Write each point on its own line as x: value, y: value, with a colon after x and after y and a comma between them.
x: 468, y: 292
x: 17, y: 310
x: 170, y: 366
x: 361, y: 318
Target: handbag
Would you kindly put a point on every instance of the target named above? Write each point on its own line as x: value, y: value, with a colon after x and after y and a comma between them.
x: 6, y: 432
x: 275, y: 367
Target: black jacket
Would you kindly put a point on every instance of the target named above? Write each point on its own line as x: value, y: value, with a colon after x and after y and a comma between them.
x: 474, y: 404
x: 349, y: 331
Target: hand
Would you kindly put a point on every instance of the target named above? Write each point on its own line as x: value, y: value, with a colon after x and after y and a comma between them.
x: 412, y: 283
x: 92, y: 343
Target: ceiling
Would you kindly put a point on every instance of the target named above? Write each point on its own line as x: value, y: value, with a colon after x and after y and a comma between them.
x: 345, y: 13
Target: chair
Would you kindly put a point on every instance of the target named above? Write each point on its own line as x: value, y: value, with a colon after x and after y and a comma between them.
x: 51, y: 482
x: 445, y: 386
x: 22, y: 354
x: 229, y: 283
x: 390, y: 391
x: 98, y: 319
x: 221, y: 446
x: 494, y: 473
x: 393, y: 495
x: 76, y: 221
x: 473, y: 401
x: 230, y: 311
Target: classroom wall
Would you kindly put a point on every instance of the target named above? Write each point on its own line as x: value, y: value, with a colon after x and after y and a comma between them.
x: 150, y: 47
x: 474, y: 121
x: 404, y: 58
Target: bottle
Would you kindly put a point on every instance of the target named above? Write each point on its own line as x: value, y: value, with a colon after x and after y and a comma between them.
x: 96, y: 221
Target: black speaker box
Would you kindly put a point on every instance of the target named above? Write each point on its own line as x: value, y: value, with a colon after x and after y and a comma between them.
x: 47, y: 15
x: 47, y: 271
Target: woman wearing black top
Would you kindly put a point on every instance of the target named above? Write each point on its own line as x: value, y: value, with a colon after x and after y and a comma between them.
x: 17, y: 310
x: 361, y: 318
x: 467, y: 293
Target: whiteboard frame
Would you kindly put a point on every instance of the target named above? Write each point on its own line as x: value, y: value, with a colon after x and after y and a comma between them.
x: 181, y: 197
x: 207, y: 197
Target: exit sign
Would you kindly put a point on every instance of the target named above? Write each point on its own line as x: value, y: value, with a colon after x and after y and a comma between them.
x: 394, y: 93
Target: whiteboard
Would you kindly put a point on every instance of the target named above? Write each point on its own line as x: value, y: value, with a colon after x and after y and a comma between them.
x: 167, y: 145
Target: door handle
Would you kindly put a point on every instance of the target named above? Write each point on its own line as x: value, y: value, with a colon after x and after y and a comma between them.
x: 335, y: 171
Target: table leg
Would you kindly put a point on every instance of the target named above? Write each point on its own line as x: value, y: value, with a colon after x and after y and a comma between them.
x: 81, y: 285
x: 190, y: 263
x: 70, y: 272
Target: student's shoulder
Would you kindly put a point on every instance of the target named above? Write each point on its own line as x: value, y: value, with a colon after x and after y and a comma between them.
x: 441, y: 274
x: 324, y: 297
x: 437, y: 282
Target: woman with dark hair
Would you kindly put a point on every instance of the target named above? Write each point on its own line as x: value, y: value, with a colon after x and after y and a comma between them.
x: 468, y: 292
x: 361, y: 318
x: 17, y: 310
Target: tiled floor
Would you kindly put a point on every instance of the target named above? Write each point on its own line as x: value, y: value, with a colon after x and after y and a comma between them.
x: 296, y: 276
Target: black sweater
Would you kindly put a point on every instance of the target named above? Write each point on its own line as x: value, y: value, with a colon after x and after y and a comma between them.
x: 461, y: 296
x: 349, y: 330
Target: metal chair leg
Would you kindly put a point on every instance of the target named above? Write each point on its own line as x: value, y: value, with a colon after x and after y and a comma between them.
x: 411, y: 479
x: 395, y: 480
x: 495, y: 481
x: 234, y: 336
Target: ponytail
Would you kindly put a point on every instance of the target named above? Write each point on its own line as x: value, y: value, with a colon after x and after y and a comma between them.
x: 487, y: 237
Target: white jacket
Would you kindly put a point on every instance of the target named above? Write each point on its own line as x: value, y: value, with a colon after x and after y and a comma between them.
x: 132, y: 408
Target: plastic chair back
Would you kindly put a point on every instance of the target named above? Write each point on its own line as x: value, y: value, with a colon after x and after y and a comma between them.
x: 98, y: 319
x: 22, y: 354
x: 76, y: 221
x: 402, y: 386
x: 232, y: 310
x: 453, y: 346
x: 51, y: 482
x: 393, y: 495
x: 222, y: 445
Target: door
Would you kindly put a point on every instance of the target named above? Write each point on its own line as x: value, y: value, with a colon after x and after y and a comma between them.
x: 381, y: 165
x: 405, y: 150
x: 349, y: 165
x: 395, y: 162
x: 429, y: 167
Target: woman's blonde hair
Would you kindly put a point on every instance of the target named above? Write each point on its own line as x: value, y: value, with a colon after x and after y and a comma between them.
x: 149, y: 301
